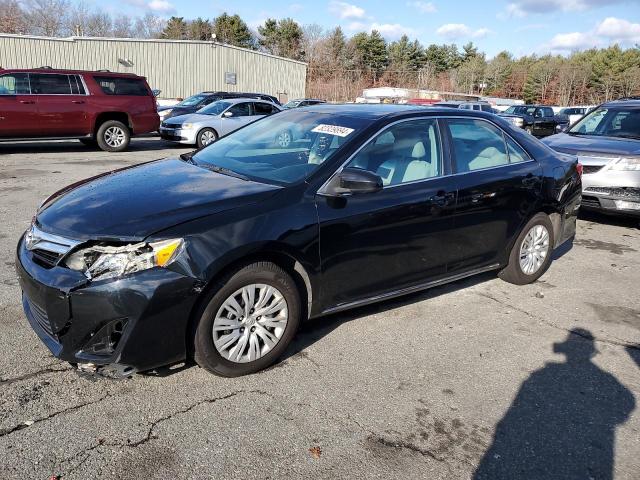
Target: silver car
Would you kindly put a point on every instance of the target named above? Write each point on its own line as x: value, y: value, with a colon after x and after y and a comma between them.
x: 215, y: 120
x: 607, y: 144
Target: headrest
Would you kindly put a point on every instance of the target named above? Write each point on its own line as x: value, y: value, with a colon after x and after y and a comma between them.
x: 418, y: 150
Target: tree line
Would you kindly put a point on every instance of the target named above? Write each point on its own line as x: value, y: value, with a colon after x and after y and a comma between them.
x: 340, y: 67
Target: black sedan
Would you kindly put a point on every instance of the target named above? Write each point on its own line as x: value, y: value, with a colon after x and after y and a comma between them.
x: 221, y: 254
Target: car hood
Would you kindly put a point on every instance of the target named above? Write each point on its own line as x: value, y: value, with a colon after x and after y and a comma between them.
x: 132, y: 203
x: 588, y: 145
x: 190, y: 118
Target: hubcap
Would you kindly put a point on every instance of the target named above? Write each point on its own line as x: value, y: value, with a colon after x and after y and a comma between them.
x: 114, y: 136
x: 207, y: 137
x: 284, y: 139
x: 534, y: 249
x: 250, y: 323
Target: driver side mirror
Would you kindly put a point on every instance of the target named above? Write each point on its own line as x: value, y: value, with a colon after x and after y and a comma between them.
x: 227, y: 114
x: 352, y: 181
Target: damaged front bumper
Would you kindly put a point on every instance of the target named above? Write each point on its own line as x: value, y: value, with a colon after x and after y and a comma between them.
x: 117, y: 326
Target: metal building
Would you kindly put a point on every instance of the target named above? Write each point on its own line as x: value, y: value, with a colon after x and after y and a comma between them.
x: 178, y: 68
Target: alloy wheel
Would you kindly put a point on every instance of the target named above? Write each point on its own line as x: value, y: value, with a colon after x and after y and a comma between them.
x: 114, y: 137
x: 534, y: 249
x: 250, y: 323
x: 207, y: 137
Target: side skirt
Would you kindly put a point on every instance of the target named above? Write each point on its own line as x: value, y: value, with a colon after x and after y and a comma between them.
x: 408, y: 290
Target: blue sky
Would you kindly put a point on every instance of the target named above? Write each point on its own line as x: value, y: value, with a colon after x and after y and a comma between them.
x: 520, y: 26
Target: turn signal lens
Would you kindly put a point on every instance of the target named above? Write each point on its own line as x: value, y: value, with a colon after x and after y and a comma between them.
x: 165, y: 253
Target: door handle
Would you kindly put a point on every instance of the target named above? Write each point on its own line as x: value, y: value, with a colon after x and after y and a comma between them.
x: 27, y: 102
x: 476, y: 197
x: 77, y: 101
x: 441, y: 199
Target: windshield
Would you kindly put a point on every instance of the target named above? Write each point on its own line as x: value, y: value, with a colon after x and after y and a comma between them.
x: 610, y: 122
x: 215, y: 108
x: 191, y: 101
x: 292, y: 104
x: 281, y: 149
x: 520, y: 110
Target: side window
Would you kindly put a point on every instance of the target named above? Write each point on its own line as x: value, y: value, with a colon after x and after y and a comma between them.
x: 121, y: 86
x: 516, y: 153
x: 486, y: 108
x: 77, y: 88
x: 406, y: 152
x: 241, y: 109
x: 14, y: 84
x: 547, y: 112
x: 260, y: 108
x: 476, y: 145
x: 50, y: 84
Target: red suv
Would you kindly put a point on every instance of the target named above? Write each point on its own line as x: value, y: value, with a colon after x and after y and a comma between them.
x: 101, y: 107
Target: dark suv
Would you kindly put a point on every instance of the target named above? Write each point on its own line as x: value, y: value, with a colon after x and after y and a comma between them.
x: 100, y: 107
x: 538, y: 120
x: 195, y: 102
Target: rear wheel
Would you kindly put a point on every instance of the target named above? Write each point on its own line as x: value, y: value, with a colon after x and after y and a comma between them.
x: 113, y: 136
x: 247, y: 320
x: 531, y: 253
x: 206, y: 136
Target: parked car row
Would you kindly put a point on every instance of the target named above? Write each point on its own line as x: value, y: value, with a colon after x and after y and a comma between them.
x: 200, y: 100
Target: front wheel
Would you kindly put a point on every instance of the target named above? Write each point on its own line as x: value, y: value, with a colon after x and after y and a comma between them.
x: 247, y: 321
x: 531, y: 253
x: 113, y: 136
x: 206, y: 136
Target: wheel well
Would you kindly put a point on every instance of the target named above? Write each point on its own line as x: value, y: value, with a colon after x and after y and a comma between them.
x: 284, y: 261
x: 106, y: 116
x: 207, y: 128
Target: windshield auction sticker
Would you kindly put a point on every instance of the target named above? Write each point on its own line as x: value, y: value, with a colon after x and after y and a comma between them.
x: 333, y: 130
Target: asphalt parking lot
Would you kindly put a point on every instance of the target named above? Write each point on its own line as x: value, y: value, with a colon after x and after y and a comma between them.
x: 472, y: 378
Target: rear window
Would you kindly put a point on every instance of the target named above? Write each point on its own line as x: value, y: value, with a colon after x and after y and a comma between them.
x: 122, y: 86
x: 50, y: 84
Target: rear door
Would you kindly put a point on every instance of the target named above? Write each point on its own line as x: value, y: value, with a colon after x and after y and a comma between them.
x: 498, y: 186
x: 18, y: 110
x: 62, y: 104
x: 544, y: 121
x: 263, y: 109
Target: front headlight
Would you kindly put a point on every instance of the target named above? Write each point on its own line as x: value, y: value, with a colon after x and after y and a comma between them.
x: 626, y: 164
x: 187, y: 126
x: 101, y: 262
x: 164, y: 113
x: 518, y: 122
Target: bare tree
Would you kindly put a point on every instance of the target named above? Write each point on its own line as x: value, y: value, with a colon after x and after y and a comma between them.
x: 149, y: 26
x: 47, y: 17
x: 630, y: 81
x: 313, y: 40
x: 12, y: 17
x: 122, y: 27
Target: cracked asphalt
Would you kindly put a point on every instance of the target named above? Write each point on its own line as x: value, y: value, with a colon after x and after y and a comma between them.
x: 477, y: 379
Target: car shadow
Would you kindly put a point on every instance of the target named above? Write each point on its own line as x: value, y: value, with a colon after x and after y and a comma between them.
x: 74, y: 146
x: 562, y: 422
x: 315, y: 329
x: 614, y: 220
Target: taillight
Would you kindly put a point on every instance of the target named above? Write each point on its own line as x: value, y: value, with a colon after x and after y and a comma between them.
x: 579, y: 169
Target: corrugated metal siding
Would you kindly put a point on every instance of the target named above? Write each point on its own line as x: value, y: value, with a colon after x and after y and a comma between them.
x: 178, y: 68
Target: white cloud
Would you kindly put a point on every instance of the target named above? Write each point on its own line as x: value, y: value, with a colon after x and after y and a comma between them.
x: 423, y: 7
x: 356, y: 26
x: 568, y: 42
x: 618, y: 29
x: 296, y: 7
x: 162, y: 6
x: 346, y: 10
x: 391, y: 31
x: 522, y: 8
x: 453, y: 31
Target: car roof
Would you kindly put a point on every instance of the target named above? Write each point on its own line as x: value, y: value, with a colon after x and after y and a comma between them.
x: 245, y: 99
x: 68, y: 71
x: 378, y: 111
x: 623, y: 102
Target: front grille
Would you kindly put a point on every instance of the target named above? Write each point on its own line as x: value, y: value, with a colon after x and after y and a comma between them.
x: 46, y: 258
x: 622, y: 192
x: 591, y: 168
x: 588, y: 201
x: 40, y: 316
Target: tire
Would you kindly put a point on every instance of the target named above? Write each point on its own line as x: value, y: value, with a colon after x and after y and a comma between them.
x: 218, y: 358
x: 529, y: 130
x: 284, y: 139
x: 206, y: 136
x: 113, y: 136
x: 514, y: 272
x: 89, y: 142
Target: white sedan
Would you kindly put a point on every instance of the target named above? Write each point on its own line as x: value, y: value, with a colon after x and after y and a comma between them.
x: 215, y: 120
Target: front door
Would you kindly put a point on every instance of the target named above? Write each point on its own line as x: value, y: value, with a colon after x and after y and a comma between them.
x: 498, y: 185
x: 61, y: 107
x: 234, y: 117
x: 18, y: 109
x: 397, y: 237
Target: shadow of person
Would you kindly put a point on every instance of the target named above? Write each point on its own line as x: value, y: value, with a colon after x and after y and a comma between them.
x: 562, y: 423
